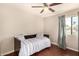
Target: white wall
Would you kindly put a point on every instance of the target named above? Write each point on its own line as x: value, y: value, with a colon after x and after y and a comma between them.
x: 15, y: 20
x: 51, y: 27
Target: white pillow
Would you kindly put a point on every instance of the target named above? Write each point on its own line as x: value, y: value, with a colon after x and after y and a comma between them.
x: 20, y: 37
x: 40, y: 35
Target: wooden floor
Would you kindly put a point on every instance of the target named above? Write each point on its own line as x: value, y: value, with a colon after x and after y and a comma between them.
x: 52, y: 51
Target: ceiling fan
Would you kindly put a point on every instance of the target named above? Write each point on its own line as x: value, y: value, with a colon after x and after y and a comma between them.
x: 46, y: 6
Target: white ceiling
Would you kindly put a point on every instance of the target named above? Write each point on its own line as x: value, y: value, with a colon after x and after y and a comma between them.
x: 58, y: 8
x: 36, y: 11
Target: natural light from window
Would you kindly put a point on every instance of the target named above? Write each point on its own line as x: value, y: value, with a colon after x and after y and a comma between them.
x: 71, y: 26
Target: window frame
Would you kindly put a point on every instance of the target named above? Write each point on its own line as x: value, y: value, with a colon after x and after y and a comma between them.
x: 71, y: 24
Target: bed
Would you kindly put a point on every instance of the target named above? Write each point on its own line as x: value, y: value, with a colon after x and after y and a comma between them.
x: 31, y: 44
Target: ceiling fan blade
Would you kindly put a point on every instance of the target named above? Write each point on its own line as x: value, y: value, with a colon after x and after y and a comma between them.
x: 53, y: 4
x: 45, y: 4
x: 42, y: 10
x: 51, y: 10
x: 37, y: 6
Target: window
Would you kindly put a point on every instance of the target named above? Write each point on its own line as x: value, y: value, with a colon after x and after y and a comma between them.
x: 75, y: 25
x: 71, y: 25
x: 68, y: 25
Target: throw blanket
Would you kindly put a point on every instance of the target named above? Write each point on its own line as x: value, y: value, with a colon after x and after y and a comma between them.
x: 31, y: 46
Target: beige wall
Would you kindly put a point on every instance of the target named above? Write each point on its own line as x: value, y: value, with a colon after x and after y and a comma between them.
x: 13, y: 21
x: 51, y: 27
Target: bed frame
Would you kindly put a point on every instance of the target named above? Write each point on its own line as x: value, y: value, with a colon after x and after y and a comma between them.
x: 17, y: 43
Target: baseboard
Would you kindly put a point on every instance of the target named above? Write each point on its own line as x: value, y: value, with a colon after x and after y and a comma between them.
x: 54, y: 43
x: 67, y: 47
x: 72, y: 49
x: 7, y: 53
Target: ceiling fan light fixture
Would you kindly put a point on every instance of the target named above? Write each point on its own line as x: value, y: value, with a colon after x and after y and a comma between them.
x: 46, y: 8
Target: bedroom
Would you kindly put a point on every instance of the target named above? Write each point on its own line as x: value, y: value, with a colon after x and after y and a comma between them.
x: 16, y: 19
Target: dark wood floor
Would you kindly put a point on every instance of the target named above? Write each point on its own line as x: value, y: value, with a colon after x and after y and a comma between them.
x: 52, y: 51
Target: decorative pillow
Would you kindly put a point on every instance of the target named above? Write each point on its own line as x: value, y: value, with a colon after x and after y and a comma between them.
x: 30, y: 36
x: 46, y: 35
x: 20, y: 37
x: 40, y: 35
